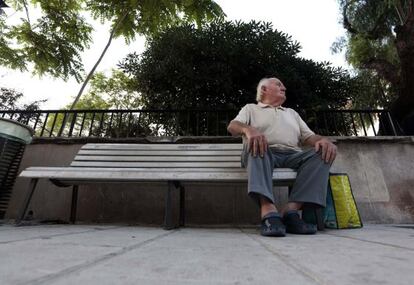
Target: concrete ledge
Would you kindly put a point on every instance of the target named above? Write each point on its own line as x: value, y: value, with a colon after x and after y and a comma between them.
x: 150, y: 140
x: 378, y: 139
x: 206, y: 139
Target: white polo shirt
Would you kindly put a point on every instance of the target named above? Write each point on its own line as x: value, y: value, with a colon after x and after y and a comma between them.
x: 283, y: 127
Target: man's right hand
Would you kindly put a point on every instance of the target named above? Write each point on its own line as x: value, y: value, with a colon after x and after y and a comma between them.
x: 256, y: 140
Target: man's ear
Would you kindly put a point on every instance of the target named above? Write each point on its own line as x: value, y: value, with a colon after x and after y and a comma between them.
x: 263, y: 88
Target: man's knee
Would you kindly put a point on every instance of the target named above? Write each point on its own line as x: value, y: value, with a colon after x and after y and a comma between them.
x: 310, y: 154
x: 314, y: 159
x: 317, y: 155
x: 249, y: 159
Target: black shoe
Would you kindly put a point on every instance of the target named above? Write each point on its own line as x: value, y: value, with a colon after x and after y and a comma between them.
x: 272, y: 226
x: 295, y: 225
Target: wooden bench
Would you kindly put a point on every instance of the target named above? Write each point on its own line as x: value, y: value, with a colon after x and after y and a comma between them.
x: 133, y: 163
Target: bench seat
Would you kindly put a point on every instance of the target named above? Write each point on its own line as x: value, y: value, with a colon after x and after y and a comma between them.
x: 134, y: 163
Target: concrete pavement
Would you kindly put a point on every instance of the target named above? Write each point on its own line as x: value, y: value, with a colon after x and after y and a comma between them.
x: 117, y: 254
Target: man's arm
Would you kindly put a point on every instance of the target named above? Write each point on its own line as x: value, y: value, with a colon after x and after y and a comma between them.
x: 323, y: 144
x: 257, y: 142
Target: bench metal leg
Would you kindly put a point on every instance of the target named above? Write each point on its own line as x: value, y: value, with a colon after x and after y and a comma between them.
x: 21, y: 214
x: 182, y: 206
x: 168, y: 218
x: 174, y: 216
x: 74, y: 204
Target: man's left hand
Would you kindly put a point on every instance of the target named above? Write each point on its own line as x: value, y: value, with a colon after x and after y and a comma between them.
x: 327, y: 148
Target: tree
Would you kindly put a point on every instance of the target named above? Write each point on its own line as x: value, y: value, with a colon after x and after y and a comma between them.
x: 50, y: 44
x: 218, y: 67
x: 380, y: 40
x: 106, y: 93
x: 10, y: 100
x: 53, y: 42
x: 117, y: 90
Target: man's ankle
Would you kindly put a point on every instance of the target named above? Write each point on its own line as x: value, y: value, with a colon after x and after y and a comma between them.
x: 266, y: 207
x: 265, y: 213
x: 292, y: 206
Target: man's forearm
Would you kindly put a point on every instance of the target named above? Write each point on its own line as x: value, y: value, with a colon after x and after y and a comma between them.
x: 236, y: 128
x: 313, y: 139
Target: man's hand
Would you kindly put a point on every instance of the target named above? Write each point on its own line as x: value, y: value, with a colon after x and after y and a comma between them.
x: 256, y: 140
x: 327, y: 148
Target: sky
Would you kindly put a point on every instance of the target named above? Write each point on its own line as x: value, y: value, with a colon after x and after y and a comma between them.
x: 314, y: 24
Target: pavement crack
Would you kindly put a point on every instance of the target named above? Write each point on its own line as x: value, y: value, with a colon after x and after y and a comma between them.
x: 370, y: 241
x: 56, y: 235
x: 308, y: 274
x: 85, y: 265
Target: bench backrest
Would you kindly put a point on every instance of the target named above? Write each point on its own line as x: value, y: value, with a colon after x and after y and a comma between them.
x: 159, y: 156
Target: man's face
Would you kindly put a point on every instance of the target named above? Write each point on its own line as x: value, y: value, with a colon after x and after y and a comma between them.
x: 275, y: 90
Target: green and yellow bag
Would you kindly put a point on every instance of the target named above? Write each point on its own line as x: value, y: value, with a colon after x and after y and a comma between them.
x: 341, y: 211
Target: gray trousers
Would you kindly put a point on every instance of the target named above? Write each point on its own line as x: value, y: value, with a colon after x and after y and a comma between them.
x: 311, y: 181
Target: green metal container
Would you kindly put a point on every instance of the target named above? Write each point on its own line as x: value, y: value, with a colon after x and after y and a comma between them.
x: 13, y: 139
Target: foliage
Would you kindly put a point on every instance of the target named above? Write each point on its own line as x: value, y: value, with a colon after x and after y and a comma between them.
x: 118, y: 89
x: 52, y: 42
x: 370, y: 42
x: 113, y: 92
x: 10, y: 100
x: 219, y: 66
x: 371, y: 92
x: 380, y: 41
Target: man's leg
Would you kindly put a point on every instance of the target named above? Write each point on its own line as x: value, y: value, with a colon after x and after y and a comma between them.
x: 266, y: 207
x: 260, y: 183
x: 310, y: 186
x: 260, y: 188
x: 311, y: 181
x: 292, y: 206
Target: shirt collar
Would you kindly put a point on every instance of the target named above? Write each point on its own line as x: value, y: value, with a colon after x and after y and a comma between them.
x: 262, y: 105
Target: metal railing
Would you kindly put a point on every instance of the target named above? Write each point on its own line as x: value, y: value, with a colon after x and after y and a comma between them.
x: 352, y: 122
x: 140, y: 123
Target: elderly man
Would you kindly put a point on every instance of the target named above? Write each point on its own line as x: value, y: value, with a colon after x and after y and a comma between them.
x: 272, y: 137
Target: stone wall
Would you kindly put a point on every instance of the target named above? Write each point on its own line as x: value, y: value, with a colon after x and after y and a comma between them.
x: 380, y: 169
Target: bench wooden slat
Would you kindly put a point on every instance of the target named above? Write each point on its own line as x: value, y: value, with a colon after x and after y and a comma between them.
x: 219, y: 147
x: 160, y: 152
x: 95, y: 169
x: 155, y: 158
x: 127, y: 164
x: 128, y: 175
